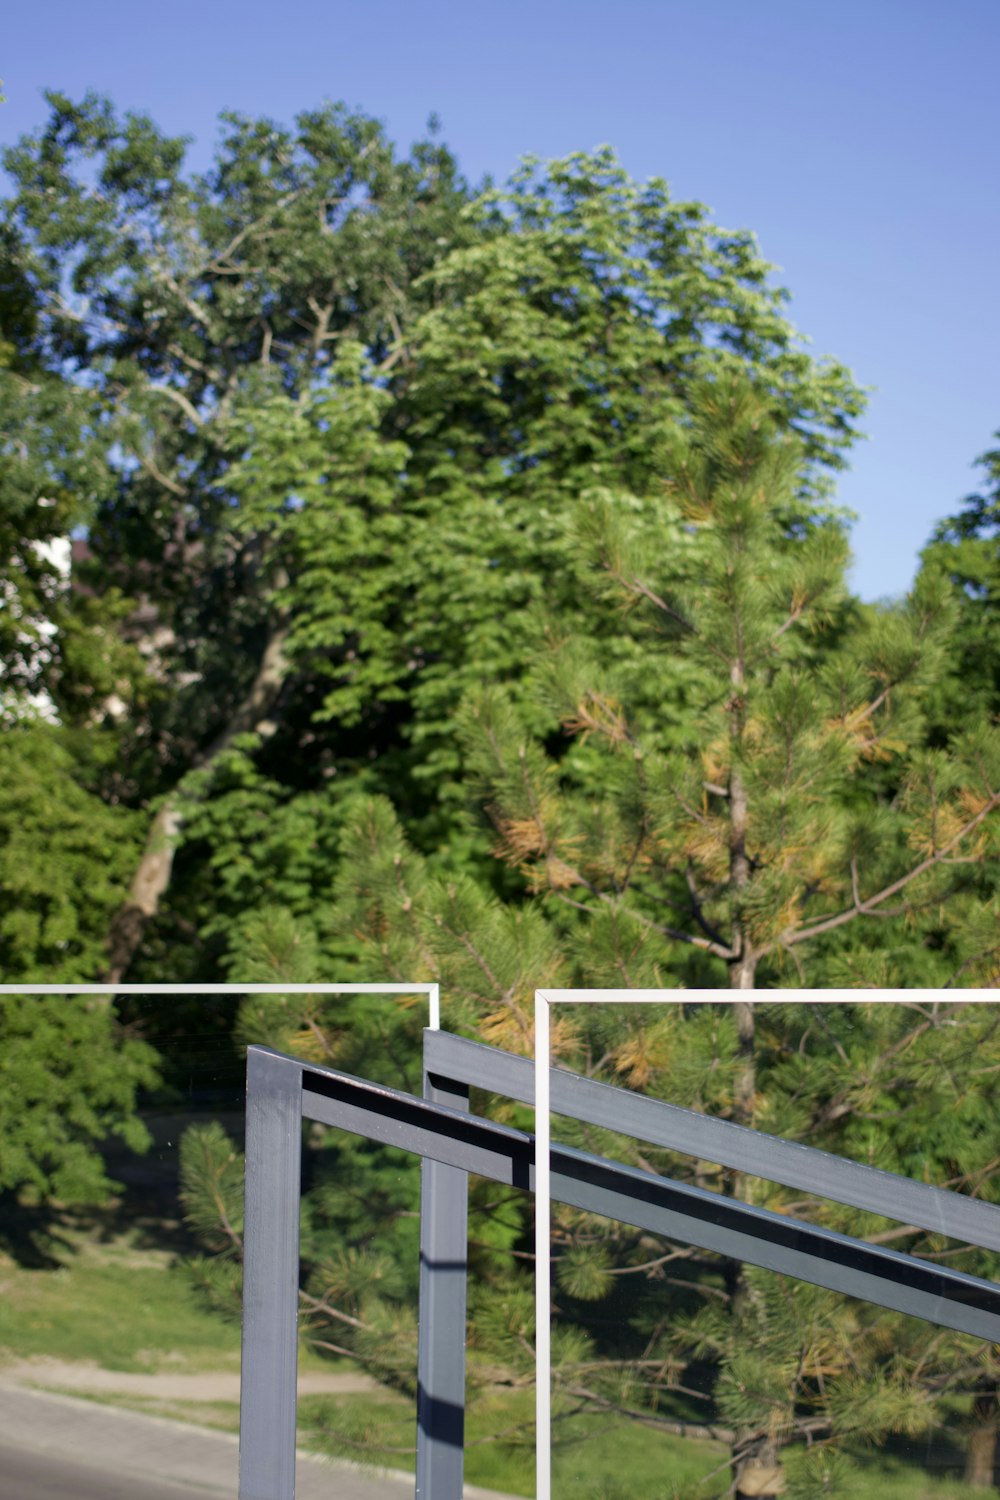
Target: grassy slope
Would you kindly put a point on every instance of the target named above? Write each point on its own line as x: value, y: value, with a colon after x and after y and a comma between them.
x: 129, y: 1308
x: 120, y: 1316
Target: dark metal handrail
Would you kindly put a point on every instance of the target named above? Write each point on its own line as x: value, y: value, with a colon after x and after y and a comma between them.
x: 282, y: 1091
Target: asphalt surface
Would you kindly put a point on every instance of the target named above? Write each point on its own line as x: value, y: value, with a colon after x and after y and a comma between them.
x: 62, y: 1448
x: 28, y: 1475
x: 54, y: 1447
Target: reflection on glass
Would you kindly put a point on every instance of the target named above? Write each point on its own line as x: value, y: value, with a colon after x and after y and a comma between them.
x: 675, y: 1371
x: 121, y: 1237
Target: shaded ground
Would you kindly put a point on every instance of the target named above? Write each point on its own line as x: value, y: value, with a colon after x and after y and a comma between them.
x: 146, y: 1207
x: 44, y: 1477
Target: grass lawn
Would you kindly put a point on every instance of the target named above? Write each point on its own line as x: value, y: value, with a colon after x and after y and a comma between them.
x: 122, y: 1308
x: 110, y: 1300
x: 118, y: 1304
x: 599, y: 1457
x: 593, y: 1456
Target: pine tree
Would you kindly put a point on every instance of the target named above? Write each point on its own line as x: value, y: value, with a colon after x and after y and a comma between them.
x: 713, y: 818
x: 966, y: 549
x: 715, y: 814
x: 716, y: 772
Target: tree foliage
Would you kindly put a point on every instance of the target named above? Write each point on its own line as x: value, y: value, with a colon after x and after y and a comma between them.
x: 965, y: 548
x: 67, y: 1082
x: 466, y: 601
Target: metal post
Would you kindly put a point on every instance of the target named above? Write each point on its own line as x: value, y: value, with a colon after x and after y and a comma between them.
x: 543, y: 1251
x: 444, y: 1205
x: 270, y: 1277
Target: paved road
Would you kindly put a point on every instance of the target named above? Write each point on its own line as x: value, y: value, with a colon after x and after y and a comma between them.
x: 28, y: 1475
x: 61, y: 1448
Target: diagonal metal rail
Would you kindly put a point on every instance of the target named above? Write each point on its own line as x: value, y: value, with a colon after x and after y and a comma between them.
x: 450, y: 1061
x: 818, y: 1173
x: 281, y: 1091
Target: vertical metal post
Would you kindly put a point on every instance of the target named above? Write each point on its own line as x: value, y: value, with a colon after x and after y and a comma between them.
x: 543, y: 1252
x: 270, y: 1277
x: 444, y: 1208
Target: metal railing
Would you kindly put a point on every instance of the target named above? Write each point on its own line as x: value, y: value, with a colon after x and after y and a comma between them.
x: 282, y: 1091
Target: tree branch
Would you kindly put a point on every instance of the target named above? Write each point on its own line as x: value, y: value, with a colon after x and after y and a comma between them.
x: 702, y: 921
x: 175, y: 488
x: 795, y: 615
x: 217, y: 262
x: 718, y: 950
x: 155, y: 868
x: 638, y: 587
x: 650, y: 1419
x: 970, y: 962
x: 182, y: 401
x: 867, y: 907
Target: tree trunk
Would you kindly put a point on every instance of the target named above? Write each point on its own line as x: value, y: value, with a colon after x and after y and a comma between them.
x: 760, y: 1474
x: 152, y: 877
x: 981, y: 1454
x: 757, y: 1474
x: 743, y: 968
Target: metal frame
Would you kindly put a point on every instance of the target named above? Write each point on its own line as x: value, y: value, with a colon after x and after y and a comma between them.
x: 432, y: 991
x: 281, y: 1091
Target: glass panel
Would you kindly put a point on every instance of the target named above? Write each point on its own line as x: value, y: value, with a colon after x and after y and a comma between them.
x: 682, y: 1375
x: 134, y: 1303
x: 669, y: 1361
x: 112, y: 1296
x: 128, y: 1296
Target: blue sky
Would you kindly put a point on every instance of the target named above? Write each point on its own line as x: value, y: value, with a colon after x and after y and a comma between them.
x: 859, y: 141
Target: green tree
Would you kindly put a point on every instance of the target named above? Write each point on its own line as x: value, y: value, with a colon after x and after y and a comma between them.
x: 561, y: 507
x: 68, y: 1082
x: 950, y: 934
x: 741, y: 808
x: 175, y: 302
x: 353, y: 432
x: 730, y: 838
x: 61, y: 655
x: 65, y: 857
x: 333, y: 519
x: 966, y: 549
x: 556, y: 356
x: 420, y: 517
x: 67, y: 844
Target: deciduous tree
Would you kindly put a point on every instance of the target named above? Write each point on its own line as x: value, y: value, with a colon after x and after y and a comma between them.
x: 711, y: 818
x: 175, y: 301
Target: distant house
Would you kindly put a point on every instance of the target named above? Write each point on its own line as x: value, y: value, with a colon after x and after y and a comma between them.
x: 21, y: 702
